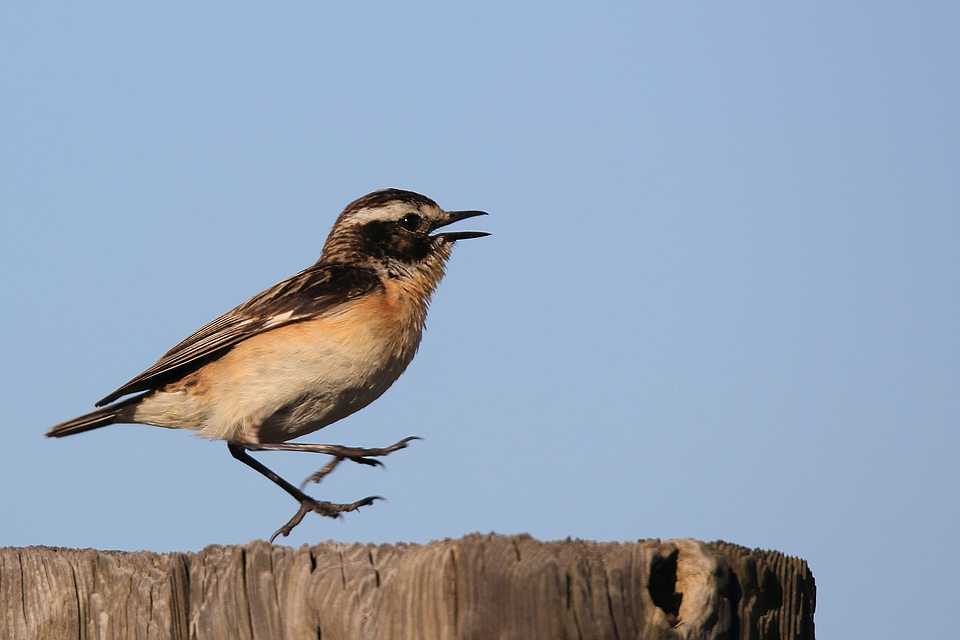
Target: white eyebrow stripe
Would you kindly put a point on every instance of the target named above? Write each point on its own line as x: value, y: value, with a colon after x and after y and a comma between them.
x: 385, y: 212
x: 391, y: 211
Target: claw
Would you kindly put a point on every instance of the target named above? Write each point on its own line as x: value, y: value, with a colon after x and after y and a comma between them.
x: 367, y: 461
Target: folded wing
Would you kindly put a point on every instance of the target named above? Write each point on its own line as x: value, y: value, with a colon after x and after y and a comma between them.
x: 307, y: 295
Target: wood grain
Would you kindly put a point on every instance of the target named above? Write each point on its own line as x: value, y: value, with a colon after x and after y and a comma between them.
x: 477, y: 587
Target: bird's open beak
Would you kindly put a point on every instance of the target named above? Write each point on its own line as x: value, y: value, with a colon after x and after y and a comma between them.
x: 456, y: 216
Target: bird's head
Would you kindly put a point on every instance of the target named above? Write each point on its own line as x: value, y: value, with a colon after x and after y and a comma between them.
x: 393, y: 231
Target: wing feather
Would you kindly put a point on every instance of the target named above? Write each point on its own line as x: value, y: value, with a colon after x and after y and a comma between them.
x: 307, y: 295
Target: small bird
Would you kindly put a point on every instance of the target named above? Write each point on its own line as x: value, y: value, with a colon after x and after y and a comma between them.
x: 306, y: 352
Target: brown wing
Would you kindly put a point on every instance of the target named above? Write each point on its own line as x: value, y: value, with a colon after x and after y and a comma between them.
x: 308, y: 294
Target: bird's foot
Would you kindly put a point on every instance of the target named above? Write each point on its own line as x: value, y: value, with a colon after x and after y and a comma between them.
x: 354, y: 454
x: 328, y: 509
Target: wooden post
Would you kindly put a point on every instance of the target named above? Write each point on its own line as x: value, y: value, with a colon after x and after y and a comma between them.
x: 477, y: 587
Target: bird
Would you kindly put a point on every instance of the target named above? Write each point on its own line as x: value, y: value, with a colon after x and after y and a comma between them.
x: 306, y: 352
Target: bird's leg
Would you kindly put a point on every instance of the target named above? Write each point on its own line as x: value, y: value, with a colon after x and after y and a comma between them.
x: 339, y: 453
x: 307, y: 504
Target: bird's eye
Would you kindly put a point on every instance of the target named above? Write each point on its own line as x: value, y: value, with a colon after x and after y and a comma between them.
x: 410, y: 222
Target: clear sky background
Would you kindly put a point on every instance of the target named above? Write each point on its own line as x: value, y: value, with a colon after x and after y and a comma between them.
x: 721, y: 299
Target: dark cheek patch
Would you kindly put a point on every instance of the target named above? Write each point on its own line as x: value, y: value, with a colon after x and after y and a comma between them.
x: 374, y: 235
x: 386, y: 240
x: 408, y: 248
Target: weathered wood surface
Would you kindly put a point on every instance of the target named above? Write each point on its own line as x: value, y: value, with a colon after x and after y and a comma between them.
x: 478, y: 587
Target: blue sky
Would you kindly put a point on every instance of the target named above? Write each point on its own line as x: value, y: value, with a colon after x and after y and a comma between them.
x: 720, y: 300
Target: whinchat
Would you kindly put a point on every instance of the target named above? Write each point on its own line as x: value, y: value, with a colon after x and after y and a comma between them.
x: 306, y: 352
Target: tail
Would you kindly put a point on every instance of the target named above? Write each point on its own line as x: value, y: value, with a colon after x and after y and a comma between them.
x: 117, y: 412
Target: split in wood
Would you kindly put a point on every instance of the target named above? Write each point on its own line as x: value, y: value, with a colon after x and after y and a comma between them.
x: 307, y: 504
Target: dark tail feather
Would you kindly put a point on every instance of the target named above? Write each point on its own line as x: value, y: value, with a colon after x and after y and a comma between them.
x: 117, y: 412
